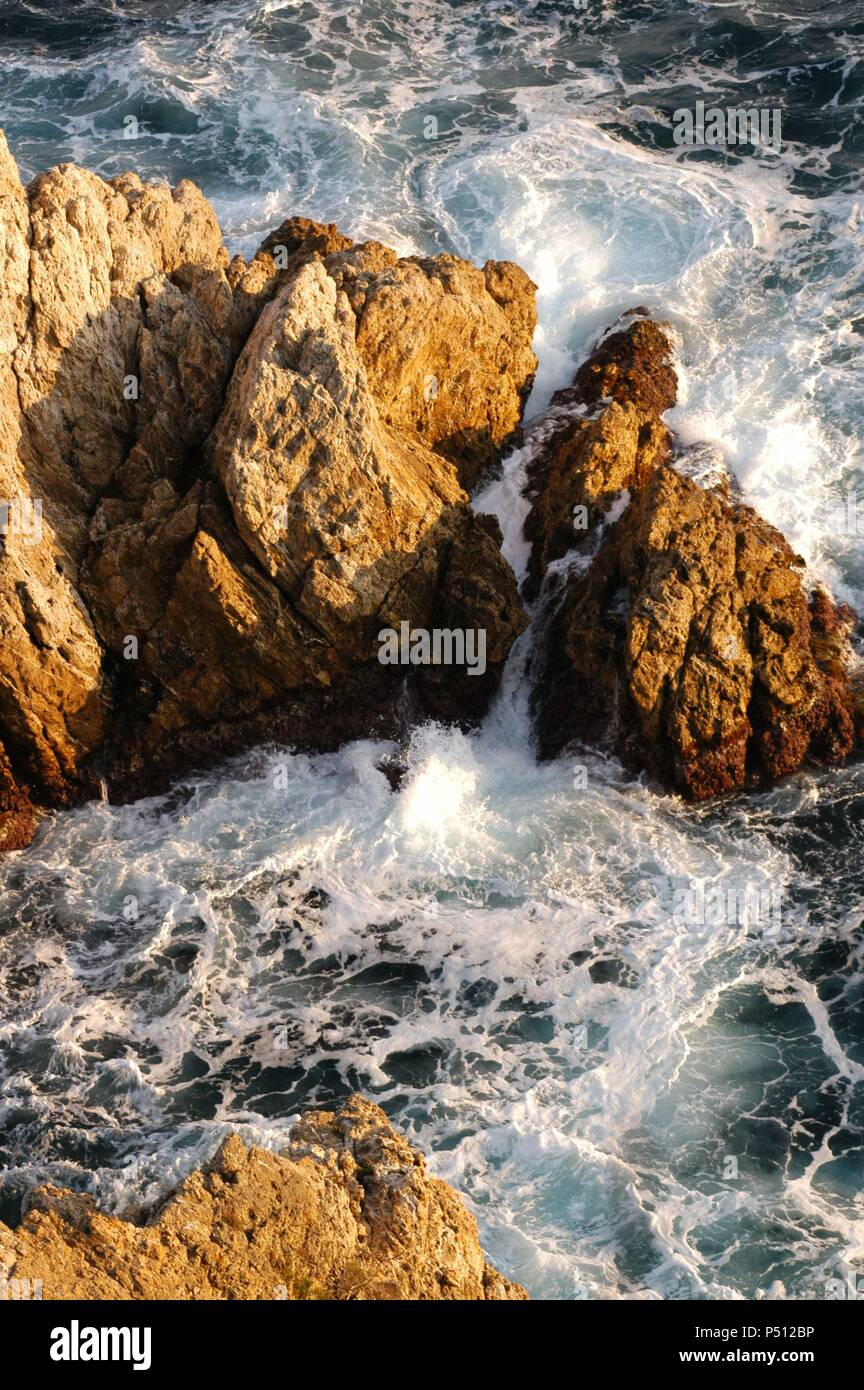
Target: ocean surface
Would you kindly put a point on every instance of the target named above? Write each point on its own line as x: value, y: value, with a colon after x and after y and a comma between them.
x: 635, y: 1103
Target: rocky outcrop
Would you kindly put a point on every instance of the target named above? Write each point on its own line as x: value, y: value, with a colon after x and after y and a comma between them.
x: 606, y: 438
x: 17, y: 815
x: 679, y: 631
x: 221, y: 480
x: 447, y: 348
x: 347, y: 1212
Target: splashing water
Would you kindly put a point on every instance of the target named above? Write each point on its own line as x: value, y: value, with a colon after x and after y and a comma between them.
x: 635, y: 1106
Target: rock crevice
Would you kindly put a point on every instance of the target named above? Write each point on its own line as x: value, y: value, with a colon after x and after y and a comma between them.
x: 680, y: 632
x: 243, y: 471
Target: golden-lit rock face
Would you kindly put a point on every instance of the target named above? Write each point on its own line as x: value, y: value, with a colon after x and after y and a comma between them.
x: 221, y: 480
x: 347, y: 1212
x: 686, y: 639
x: 242, y: 472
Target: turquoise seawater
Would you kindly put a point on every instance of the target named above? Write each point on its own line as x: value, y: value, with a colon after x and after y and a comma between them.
x: 635, y: 1104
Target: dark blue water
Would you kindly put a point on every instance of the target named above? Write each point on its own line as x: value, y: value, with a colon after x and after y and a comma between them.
x: 635, y: 1105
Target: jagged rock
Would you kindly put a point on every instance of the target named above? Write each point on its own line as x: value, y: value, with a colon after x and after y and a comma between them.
x: 335, y: 505
x: 606, y: 437
x: 447, y: 347
x: 347, y: 1212
x: 686, y: 640
x: 92, y: 320
x: 17, y: 816
x: 49, y: 655
x: 301, y: 238
x: 235, y: 493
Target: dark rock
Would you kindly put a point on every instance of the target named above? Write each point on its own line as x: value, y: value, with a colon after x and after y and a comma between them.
x: 244, y: 473
x: 686, y: 641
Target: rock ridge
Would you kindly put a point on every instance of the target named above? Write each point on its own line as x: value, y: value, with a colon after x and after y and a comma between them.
x: 347, y: 1212
x: 221, y: 479
x: 679, y: 631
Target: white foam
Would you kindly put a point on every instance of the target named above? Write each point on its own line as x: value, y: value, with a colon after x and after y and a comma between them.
x: 437, y: 945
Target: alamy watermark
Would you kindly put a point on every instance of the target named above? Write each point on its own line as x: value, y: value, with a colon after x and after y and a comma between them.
x: 438, y: 646
x: 21, y: 516
x: 20, y: 1290
x: 751, y: 907
x: 846, y: 518
x: 77, y: 1343
x: 734, y: 125
x: 847, y: 1284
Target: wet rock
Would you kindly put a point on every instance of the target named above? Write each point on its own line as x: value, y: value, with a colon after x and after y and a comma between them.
x: 606, y: 438
x: 609, y: 971
x: 394, y: 768
x: 347, y: 1212
x: 227, y: 478
x: 17, y: 816
x: 685, y: 638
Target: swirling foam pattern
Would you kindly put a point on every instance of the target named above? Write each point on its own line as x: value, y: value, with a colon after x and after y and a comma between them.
x: 636, y: 1105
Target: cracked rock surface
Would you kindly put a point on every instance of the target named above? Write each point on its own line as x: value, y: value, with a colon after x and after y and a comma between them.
x: 347, y: 1212
x: 680, y: 632
x: 242, y: 472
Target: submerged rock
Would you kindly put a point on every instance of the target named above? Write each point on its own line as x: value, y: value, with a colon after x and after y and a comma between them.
x: 221, y: 480
x: 681, y: 633
x: 347, y: 1212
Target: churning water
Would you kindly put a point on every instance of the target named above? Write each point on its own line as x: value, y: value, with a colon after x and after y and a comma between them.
x: 635, y: 1104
